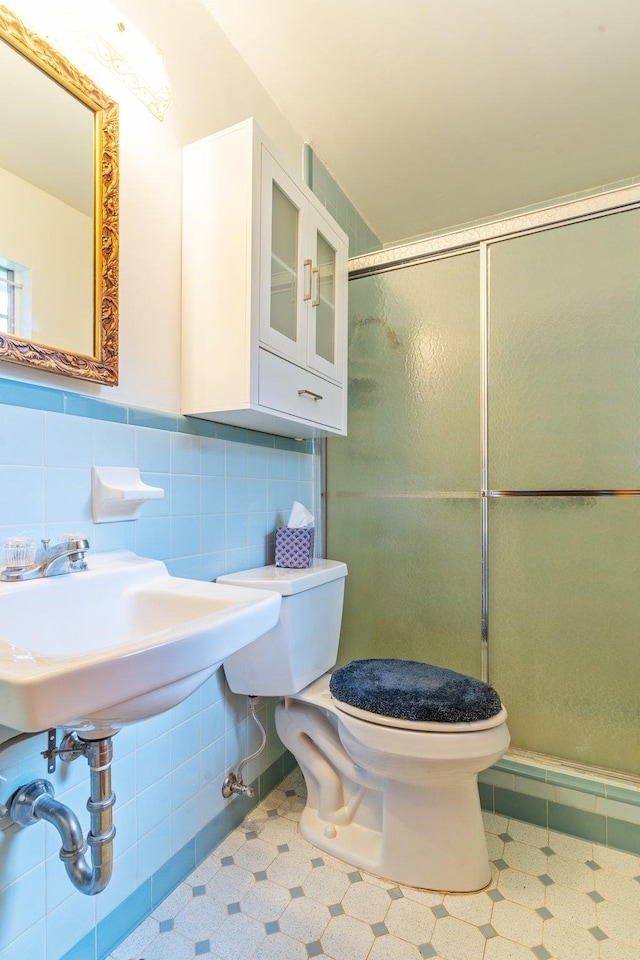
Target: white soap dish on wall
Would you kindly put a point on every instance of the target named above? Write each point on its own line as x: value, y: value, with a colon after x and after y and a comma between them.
x: 117, y: 493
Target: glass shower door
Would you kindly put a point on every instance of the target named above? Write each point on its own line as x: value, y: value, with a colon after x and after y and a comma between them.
x: 403, y: 488
x: 564, y: 460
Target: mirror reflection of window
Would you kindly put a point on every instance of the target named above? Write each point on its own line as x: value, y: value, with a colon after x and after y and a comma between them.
x: 7, y: 301
x: 15, y: 299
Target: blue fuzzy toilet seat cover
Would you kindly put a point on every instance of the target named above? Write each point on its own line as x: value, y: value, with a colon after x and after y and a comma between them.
x: 408, y: 690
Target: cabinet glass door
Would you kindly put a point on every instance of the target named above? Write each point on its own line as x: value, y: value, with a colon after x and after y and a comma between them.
x: 282, y: 235
x: 325, y: 346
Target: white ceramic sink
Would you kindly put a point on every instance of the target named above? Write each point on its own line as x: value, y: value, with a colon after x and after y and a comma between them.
x: 118, y: 642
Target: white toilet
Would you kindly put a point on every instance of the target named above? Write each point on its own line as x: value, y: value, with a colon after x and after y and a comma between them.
x: 396, y: 797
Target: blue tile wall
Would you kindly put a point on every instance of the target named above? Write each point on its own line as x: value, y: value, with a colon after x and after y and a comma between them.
x: 362, y: 239
x: 226, y: 490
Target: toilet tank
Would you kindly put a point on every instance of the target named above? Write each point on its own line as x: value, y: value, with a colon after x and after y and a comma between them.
x: 304, y: 643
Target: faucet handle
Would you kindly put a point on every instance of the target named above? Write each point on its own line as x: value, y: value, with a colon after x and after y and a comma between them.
x: 19, y: 552
x: 79, y: 544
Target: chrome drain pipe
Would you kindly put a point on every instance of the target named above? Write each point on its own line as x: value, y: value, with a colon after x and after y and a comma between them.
x: 35, y: 801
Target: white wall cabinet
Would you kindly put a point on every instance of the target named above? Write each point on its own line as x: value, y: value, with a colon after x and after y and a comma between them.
x: 264, y: 292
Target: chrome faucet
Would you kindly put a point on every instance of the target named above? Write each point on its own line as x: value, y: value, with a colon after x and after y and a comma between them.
x: 65, y: 556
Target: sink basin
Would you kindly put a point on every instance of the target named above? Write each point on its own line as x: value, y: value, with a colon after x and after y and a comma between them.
x: 116, y: 643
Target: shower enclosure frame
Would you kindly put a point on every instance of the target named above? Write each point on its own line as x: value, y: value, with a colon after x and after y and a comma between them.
x: 479, y: 238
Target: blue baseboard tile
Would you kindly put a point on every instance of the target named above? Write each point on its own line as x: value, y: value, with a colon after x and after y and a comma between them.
x: 213, y: 834
x: 578, y: 823
x: 521, y: 807
x: 576, y: 804
x: 271, y: 777
x: 487, y: 800
x: 85, y: 949
x: 623, y: 836
x: 121, y: 922
x: 172, y: 873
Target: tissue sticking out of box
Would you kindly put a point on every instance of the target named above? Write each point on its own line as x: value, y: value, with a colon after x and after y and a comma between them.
x: 294, y: 543
x: 300, y: 516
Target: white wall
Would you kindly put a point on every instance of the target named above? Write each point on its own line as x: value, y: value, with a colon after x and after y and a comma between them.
x: 212, y: 88
x: 61, y: 272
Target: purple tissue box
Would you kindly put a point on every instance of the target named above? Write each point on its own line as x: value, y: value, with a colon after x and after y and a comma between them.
x: 294, y: 546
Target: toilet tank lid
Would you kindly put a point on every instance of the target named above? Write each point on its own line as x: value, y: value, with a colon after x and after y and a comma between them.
x: 287, y: 580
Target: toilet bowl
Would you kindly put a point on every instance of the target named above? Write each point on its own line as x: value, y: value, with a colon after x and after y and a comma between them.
x: 394, y: 796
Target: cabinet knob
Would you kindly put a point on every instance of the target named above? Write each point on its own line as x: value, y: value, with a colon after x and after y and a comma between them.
x: 310, y: 394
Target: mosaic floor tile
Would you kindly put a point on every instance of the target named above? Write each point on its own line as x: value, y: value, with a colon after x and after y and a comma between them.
x: 566, y: 941
x: 457, y: 940
x: 570, y: 873
x: 326, y: 885
x: 280, y: 947
x: 410, y: 921
x: 347, y: 939
x: 620, y: 889
x: 521, y: 856
x: 619, y: 923
x: 570, y: 847
x: 305, y: 920
x: 366, y: 902
x: 613, y: 950
x: 255, y: 855
x: 526, y: 833
x: 267, y: 894
x: 390, y: 948
x: 518, y: 923
x: 266, y: 901
x: 500, y: 949
x: 200, y: 919
x: 571, y: 905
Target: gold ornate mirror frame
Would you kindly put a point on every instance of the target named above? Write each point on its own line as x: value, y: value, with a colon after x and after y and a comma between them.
x: 103, y: 366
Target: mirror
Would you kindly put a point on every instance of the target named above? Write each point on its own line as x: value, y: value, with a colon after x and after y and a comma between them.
x: 58, y: 212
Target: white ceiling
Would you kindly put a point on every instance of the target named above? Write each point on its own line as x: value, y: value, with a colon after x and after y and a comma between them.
x: 430, y: 113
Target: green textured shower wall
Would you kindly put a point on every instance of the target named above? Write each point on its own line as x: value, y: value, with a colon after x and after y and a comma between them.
x: 564, y: 359
x: 564, y: 413
x: 396, y: 510
x: 564, y: 621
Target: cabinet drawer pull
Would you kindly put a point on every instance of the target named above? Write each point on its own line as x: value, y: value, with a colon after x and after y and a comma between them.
x: 310, y: 394
x: 307, y: 279
x: 315, y: 273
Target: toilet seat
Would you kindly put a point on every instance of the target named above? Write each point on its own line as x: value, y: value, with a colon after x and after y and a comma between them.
x: 318, y: 693
x: 423, y: 726
x: 414, y: 695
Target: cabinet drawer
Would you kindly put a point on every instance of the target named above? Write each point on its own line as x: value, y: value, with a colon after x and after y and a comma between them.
x: 284, y: 386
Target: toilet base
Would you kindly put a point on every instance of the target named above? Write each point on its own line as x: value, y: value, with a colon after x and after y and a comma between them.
x: 433, y: 842
x: 424, y: 832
